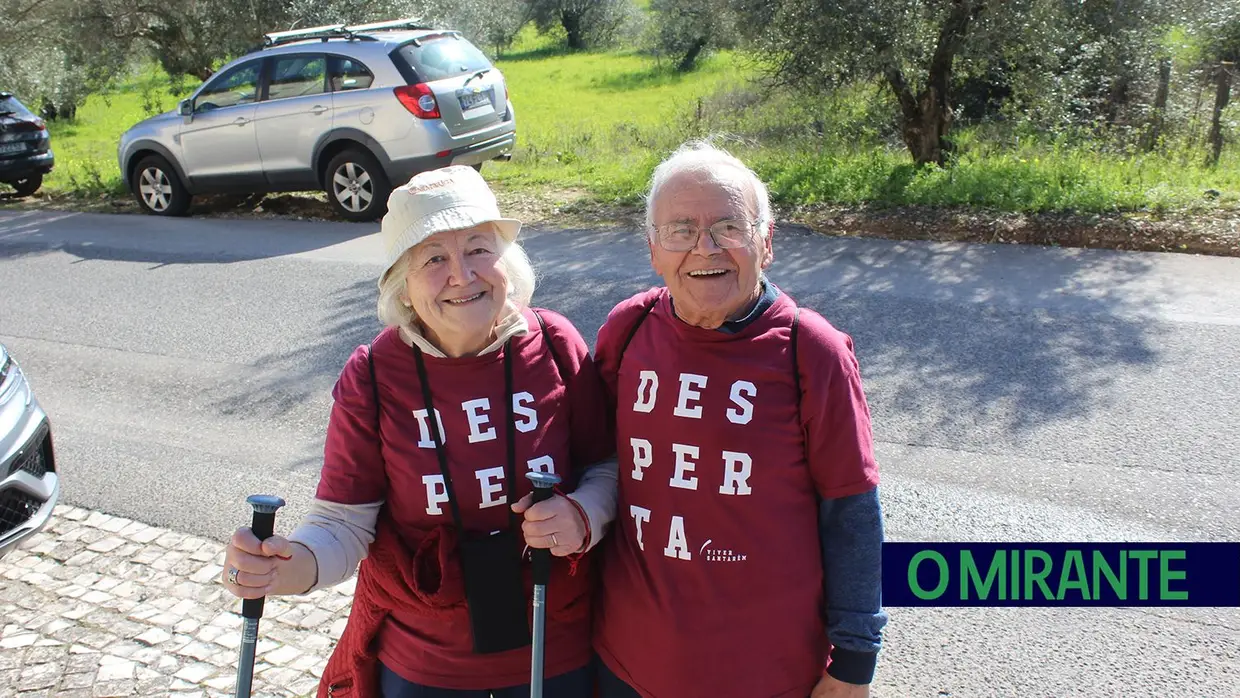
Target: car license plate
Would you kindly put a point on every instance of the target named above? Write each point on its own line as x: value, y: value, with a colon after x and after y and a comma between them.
x: 11, y: 148
x: 470, y: 100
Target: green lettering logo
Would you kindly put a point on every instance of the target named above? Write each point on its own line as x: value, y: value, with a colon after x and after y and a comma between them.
x: 970, y: 576
x: 944, y: 575
x: 1166, y: 574
x: 1038, y: 577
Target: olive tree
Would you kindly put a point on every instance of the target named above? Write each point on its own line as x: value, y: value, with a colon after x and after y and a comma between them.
x: 910, y: 45
x: 586, y: 23
x: 684, y: 29
x: 1220, y: 26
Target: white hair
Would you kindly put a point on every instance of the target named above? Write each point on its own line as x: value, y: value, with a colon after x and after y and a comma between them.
x: 513, y: 260
x: 704, y: 156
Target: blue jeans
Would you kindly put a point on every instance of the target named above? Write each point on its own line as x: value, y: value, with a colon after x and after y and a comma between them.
x: 578, y: 683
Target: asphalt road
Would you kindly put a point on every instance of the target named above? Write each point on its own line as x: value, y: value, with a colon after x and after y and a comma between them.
x: 1018, y: 394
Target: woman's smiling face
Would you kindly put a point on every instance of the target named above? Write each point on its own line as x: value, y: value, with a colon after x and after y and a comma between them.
x: 456, y: 285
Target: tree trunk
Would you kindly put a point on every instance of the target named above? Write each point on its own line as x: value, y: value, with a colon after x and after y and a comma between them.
x: 927, y: 116
x: 924, y: 122
x: 1117, y: 98
x: 1221, y: 98
x: 1160, y: 105
x: 572, y: 26
x: 686, y: 63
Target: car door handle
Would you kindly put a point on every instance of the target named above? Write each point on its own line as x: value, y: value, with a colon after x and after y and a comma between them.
x: 318, y: 109
x: 241, y: 121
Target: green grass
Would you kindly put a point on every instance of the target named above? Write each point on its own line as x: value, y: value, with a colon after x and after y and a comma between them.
x: 600, y: 122
x: 1030, y: 179
x: 85, y: 147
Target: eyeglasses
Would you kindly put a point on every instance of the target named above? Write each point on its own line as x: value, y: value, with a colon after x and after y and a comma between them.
x: 727, y: 234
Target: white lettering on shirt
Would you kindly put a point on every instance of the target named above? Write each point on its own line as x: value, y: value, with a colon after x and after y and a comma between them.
x: 684, y: 465
x: 541, y: 464
x: 687, y: 393
x: 642, y: 456
x: 487, y: 483
x: 476, y: 420
x: 745, y: 413
x: 640, y: 516
x: 737, y: 467
x: 647, y: 389
x: 424, y: 432
x: 530, y: 423
x: 677, y: 546
x: 436, y: 493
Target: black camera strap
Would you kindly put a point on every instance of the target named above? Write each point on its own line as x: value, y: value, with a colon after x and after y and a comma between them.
x: 440, y: 451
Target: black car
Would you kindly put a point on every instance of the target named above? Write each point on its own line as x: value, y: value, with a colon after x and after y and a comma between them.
x: 25, y: 147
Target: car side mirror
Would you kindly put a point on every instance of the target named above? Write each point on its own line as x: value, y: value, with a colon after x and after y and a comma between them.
x: 187, y: 107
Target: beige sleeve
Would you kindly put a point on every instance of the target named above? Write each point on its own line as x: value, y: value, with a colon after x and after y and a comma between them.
x: 596, y: 493
x: 338, y: 535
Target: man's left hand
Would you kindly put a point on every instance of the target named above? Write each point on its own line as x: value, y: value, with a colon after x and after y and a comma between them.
x: 831, y: 687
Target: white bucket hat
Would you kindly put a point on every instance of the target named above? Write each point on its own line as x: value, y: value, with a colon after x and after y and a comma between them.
x: 449, y: 198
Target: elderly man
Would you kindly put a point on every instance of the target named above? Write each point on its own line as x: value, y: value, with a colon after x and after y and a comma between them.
x: 745, y: 556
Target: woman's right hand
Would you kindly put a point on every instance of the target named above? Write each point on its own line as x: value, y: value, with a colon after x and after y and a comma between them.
x: 252, y: 567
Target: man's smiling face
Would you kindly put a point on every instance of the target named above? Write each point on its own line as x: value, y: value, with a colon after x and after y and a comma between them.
x: 709, y: 284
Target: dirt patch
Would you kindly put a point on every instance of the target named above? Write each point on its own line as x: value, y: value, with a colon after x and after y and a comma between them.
x: 1215, y: 233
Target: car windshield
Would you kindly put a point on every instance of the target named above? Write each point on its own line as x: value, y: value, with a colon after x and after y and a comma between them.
x: 444, y: 57
x: 10, y: 105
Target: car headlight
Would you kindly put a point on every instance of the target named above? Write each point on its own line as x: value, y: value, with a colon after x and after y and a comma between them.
x: 8, y: 375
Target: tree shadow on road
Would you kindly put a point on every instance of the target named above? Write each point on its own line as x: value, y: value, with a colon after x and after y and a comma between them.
x: 969, y: 349
x: 163, y: 241
x: 294, y: 386
x: 975, y: 344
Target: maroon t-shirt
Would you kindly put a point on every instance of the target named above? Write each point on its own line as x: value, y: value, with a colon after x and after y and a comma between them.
x: 561, y: 426
x: 712, y: 582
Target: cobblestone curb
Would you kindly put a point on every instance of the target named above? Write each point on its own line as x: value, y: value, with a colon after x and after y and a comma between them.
x: 100, y: 606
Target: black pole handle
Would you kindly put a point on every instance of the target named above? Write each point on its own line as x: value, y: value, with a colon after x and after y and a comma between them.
x: 263, y: 526
x: 544, y: 489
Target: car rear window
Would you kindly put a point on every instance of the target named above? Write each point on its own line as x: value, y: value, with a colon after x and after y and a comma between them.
x: 10, y: 105
x: 443, y: 57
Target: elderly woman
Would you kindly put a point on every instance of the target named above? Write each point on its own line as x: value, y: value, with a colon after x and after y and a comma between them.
x: 434, y: 426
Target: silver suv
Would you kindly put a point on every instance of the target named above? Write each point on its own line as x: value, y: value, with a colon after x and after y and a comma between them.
x: 350, y: 110
x: 29, y: 479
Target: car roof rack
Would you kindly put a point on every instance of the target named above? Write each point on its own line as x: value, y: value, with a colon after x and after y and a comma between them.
x: 340, y: 31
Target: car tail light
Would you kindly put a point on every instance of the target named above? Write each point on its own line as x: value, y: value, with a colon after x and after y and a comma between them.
x: 35, y: 124
x: 419, y: 100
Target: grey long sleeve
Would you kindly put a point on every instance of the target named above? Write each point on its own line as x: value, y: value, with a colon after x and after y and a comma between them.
x: 338, y: 535
x: 851, y: 531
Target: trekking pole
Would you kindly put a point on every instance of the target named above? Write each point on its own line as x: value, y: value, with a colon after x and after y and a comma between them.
x: 544, y: 484
x: 263, y: 525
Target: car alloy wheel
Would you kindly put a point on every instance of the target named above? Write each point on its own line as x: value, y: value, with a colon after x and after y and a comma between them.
x: 155, y: 188
x: 356, y: 185
x: 158, y: 189
x: 353, y: 187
